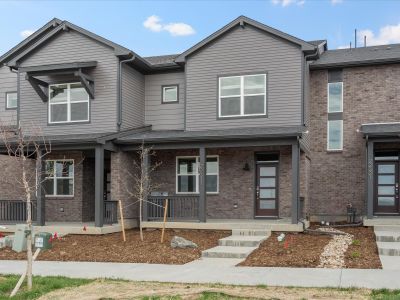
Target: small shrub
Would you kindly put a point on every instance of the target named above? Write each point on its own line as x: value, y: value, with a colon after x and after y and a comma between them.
x: 355, y: 254
x: 356, y: 243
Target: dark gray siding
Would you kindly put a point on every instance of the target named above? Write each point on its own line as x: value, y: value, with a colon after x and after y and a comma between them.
x: 8, y: 83
x: 71, y: 47
x: 132, y: 98
x: 164, y: 116
x: 239, y: 51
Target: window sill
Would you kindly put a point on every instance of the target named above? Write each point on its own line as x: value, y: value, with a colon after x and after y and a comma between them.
x: 334, y: 151
x: 68, y: 123
x: 59, y: 197
x: 242, y: 117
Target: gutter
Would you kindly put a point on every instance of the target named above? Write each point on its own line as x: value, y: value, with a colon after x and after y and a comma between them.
x: 119, y: 84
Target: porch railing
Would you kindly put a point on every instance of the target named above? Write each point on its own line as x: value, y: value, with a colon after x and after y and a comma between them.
x: 14, y: 211
x: 110, y: 212
x: 180, y: 208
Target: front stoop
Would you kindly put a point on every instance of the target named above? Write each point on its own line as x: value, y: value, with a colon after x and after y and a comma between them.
x: 388, y: 242
x: 239, y: 245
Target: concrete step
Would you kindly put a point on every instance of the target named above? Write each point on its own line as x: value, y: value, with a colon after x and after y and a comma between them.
x: 228, y: 252
x: 242, y: 241
x: 390, y: 262
x: 387, y: 236
x: 251, y: 232
x: 388, y: 248
x: 395, y: 228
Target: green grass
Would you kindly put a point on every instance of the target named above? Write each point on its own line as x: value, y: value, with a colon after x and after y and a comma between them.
x: 385, y: 294
x: 41, y: 286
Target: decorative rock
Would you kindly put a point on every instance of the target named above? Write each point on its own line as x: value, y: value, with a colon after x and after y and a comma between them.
x: 333, y: 254
x: 180, y: 242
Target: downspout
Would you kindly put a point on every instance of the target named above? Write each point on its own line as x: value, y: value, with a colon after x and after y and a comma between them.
x: 119, y: 122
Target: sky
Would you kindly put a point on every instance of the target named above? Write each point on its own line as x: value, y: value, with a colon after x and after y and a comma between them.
x: 169, y: 27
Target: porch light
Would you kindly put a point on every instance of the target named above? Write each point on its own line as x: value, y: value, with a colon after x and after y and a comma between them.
x: 246, y: 167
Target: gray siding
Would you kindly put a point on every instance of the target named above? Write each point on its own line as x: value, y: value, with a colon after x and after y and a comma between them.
x: 71, y: 47
x: 132, y: 98
x: 241, y: 51
x: 164, y: 116
x: 8, y: 83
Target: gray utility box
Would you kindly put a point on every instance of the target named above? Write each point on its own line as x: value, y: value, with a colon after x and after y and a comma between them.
x: 19, y: 243
x: 42, y: 240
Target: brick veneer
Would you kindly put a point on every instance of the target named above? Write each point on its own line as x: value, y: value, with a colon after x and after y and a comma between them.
x: 371, y: 94
x: 236, y: 186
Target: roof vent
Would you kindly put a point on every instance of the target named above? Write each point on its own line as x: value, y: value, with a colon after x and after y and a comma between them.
x: 388, y: 47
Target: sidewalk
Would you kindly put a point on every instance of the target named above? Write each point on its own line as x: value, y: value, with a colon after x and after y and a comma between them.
x: 210, y: 271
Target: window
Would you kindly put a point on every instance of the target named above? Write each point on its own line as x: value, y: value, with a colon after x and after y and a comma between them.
x: 335, y: 135
x: 170, y: 94
x: 68, y: 103
x: 187, y: 175
x: 335, y: 97
x: 241, y: 96
x: 11, y: 100
x: 59, y: 178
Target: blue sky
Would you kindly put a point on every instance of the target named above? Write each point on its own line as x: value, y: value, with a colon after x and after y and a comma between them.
x: 177, y: 25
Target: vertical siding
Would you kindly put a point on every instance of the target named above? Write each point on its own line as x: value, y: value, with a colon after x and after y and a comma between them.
x: 8, y: 83
x: 164, y: 116
x: 132, y: 98
x: 245, y: 50
x: 69, y: 47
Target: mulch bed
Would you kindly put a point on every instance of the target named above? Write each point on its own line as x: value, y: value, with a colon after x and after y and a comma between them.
x: 298, y: 250
x: 363, y: 252
x: 111, y: 248
x: 304, y: 250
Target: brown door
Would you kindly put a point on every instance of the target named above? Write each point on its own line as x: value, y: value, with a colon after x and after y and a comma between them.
x: 267, y: 189
x: 386, y: 188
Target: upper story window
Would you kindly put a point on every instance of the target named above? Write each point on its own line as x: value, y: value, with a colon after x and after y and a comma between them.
x: 11, y: 100
x: 68, y: 103
x: 335, y: 97
x: 241, y: 96
x: 170, y: 94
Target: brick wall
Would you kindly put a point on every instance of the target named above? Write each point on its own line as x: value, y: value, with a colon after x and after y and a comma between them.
x: 236, y: 186
x: 370, y: 94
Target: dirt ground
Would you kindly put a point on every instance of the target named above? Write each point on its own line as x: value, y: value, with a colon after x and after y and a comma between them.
x: 140, y: 290
x: 304, y: 250
x: 111, y: 248
x: 363, y: 252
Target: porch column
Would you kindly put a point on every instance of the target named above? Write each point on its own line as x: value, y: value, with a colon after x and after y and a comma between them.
x: 145, y: 169
x: 40, y: 195
x: 295, y: 181
x: 99, y: 187
x: 370, y: 179
x: 202, y: 185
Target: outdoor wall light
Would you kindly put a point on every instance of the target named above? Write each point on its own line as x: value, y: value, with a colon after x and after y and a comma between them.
x: 246, y: 167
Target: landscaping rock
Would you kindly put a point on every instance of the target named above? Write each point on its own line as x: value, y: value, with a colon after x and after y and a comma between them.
x: 334, y: 252
x: 180, y: 242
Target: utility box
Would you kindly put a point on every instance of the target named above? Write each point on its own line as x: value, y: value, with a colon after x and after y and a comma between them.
x: 21, y: 231
x: 42, y: 240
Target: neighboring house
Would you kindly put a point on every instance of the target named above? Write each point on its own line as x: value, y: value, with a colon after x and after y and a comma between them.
x: 250, y: 123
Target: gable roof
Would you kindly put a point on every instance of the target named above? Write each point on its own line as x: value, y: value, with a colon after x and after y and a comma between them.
x: 358, y: 56
x: 29, y: 40
x: 241, y: 21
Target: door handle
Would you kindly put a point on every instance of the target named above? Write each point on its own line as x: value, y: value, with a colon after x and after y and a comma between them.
x: 258, y: 192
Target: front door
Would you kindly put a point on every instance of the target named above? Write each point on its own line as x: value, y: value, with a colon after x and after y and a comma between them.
x: 386, y: 187
x: 267, y: 190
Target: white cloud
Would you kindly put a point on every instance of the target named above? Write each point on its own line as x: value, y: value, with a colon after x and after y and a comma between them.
x: 389, y: 34
x: 26, y: 33
x: 334, y: 2
x: 285, y: 3
x: 154, y: 23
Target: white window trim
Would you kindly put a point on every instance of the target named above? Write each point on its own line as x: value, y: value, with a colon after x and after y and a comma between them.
x: 54, y: 195
x: 341, y: 140
x: 168, y: 87
x: 7, y: 100
x: 196, y: 174
x: 68, y: 102
x: 242, y: 95
x: 341, y: 105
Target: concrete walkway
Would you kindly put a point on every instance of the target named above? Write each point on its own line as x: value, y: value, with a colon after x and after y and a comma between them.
x: 210, y: 270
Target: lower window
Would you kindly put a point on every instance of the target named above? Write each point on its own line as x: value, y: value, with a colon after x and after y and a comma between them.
x: 187, y: 175
x: 335, y: 135
x: 59, y: 178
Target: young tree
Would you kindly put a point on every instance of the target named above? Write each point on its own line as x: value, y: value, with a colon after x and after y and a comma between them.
x: 141, y: 175
x: 26, y: 150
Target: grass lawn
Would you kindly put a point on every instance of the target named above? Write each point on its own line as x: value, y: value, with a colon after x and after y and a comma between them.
x: 41, y: 286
